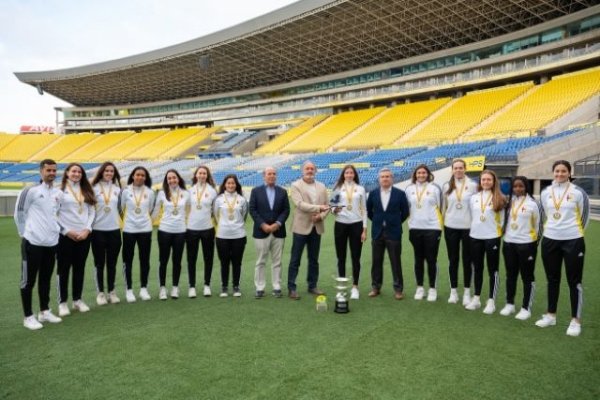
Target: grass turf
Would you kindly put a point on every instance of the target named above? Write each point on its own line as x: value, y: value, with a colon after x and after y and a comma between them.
x: 214, y: 348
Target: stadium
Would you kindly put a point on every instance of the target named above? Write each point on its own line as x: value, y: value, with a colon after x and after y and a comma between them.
x: 373, y: 83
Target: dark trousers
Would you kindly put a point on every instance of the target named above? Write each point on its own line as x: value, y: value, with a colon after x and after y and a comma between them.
x: 71, y: 254
x: 348, y: 234
x: 520, y: 258
x: 490, y: 248
x: 394, y: 249
x: 36, y: 259
x: 144, y: 243
x: 166, y: 242
x: 231, y: 251
x: 312, y: 241
x: 192, y: 241
x: 553, y: 254
x: 453, y: 238
x: 105, y: 248
x: 426, y: 243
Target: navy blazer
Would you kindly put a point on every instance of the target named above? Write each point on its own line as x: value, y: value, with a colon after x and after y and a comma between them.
x: 396, y: 213
x: 261, y: 212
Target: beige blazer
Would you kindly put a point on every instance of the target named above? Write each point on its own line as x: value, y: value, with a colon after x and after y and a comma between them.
x: 305, y: 208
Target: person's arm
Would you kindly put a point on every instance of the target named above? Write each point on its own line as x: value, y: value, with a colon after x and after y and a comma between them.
x: 21, y: 209
x: 253, y: 209
x: 404, y: 207
x: 285, y: 213
x: 327, y: 210
x: 303, y: 205
x: 156, y: 207
x: 370, y: 206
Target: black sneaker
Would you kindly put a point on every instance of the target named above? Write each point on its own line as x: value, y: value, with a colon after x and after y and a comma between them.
x: 277, y: 294
x: 259, y: 294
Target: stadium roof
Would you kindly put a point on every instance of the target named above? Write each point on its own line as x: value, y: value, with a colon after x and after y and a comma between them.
x: 307, y: 39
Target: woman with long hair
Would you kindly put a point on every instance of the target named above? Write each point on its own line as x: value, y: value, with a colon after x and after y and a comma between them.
x: 137, y: 203
x: 522, y: 228
x: 171, y: 208
x: 457, y: 225
x: 487, y: 210
x: 350, y: 227
x: 106, y: 233
x: 200, y: 228
x: 566, y: 209
x: 230, y: 209
x: 75, y: 216
x: 425, y: 228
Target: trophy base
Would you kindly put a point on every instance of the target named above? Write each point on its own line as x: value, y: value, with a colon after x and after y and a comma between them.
x: 341, y: 307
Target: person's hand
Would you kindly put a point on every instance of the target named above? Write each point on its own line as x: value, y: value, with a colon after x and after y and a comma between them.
x: 324, y: 208
x: 336, y: 210
x: 73, y: 236
x: 83, y: 235
x: 363, y: 236
x: 274, y: 227
x: 316, y: 217
x: 266, y: 228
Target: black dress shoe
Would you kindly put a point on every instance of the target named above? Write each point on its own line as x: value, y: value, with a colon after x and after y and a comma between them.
x: 294, y: 295
x: 316, y: 291
x: 259, y: 294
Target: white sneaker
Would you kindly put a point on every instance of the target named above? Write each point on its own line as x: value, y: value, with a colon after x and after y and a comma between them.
x: 466, y: 297
x: 224, y: 293
x: 47, y: 316
x: 192, y: 293
x: 474, y: 304
x: 420, y: 293
x: 80, y: 306
x: 546, y: 321
x: 130, y: 296
x: 432, y: 295
x: 101, y: 299
x: 237, y: 292
x: 523, y: 315
x: 206, y: 292
x: 144, y: 295
x: 32, y: 323
x: 507, y: 310
x: 354, y: 294
x: 574, y: 328
x: 162, y: 294
x: 453, y: 299
x: 63, y: 310
x: 490, y: 307
x: 113, y: 298
x: 174, y: 292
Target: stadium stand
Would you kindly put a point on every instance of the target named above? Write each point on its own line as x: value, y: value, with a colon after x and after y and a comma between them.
x: 63, y: 146
x: 290, y: 135
x: 5, y: 139
x: 156, y: 148
x: 101, y: 144
x: 544, y: 105
x: 25, y: 146
x: 391, y: 125
x: 130, y: 145
x: 330, y: 131
x: 190, y: 144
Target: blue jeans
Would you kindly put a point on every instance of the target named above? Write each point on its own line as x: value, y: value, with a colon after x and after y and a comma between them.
x: 312, y: 241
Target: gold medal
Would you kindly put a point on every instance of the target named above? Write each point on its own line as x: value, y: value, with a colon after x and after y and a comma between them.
x: 558, y: 203
x: 482, y: 218
x: 175, y: 211
x: 483, y: 204
x: 349, y: 191
x: 514, y: 226
x: 107, y: 209
x: 77, y: 196
x: 350, y: 207
x: 231, y: 217
x: 138, y: 210
x: 557, y: 215
x: 419, y: 206
x: 459, y: 194
x: 230, y: 206
x: 138, y: 201
x: 514, y: 213
x: 199, y: 206
x: 459, y: 206
x: 420, y: 195
x: 199, y: 196
x: 106, y: 197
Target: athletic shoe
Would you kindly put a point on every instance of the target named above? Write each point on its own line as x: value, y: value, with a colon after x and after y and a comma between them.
x: 192, y: 293
x: 474, y: 304
x: 507, y: 310
x: 175, y: 292
x: 237, y: 292
x: 453, y: 299
x: 47, y: 316
x: 523, y: 314
x: 162, y: 293
x: 206, y: 292
x: 130, y: 296
x: 277, y: 293
x: 144, y: 295
x: 354, y: 294
x: 101, y: 299
x: 420, y: 293
x: 574, y: 328
x: 432, y: 295
x: 490, y: 307
x: 466, y: 297
x: 63, y: 310
x: 32, y: 323
x: 224, y: 293
x: 113, y: 298
x: 80, y: 306
x: 546, y: 321
x: 259, y: 294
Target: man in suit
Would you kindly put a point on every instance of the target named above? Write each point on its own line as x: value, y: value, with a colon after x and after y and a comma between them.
x: 269, y: 208
x: 388, y: 208
x: 312, y: 206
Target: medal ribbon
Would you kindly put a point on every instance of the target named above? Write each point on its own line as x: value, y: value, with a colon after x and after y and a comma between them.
x: 459, y: 193
x: 349, y: 194
x: 137, y: 200
x: 558, y: 204
x: 232, y: 205
x: 484, y: 205
x: 104, y: 196
x: 515, y: 211
x: 78, y: 197
x: 200, y: 194
x: 420, y: 195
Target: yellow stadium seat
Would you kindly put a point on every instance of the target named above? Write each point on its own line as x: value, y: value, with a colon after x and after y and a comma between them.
x: 101, y: 144
x: 63, y: 146
x: 285, y: 138
x: 25, y: 146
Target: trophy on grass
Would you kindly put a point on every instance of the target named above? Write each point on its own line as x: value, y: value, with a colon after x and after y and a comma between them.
x: 341, y: 297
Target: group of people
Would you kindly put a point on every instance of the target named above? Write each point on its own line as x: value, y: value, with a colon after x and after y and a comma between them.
x: 63, y: 222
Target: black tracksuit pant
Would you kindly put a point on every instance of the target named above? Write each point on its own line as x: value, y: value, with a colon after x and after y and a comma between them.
x: 426, y: 243
x: 36, y: 260
x: 490, y: 249
x: 231, y: 252
x: 166, y: 242
x: 348, y: 234
x: 106, y: 246
x: 453, y: 238
x: 71, y: 255
x: 520, y: 259
x: 144, y: 242
x: 192, y: 243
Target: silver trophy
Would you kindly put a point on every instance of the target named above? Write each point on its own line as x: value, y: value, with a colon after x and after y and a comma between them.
x: 341, y: 297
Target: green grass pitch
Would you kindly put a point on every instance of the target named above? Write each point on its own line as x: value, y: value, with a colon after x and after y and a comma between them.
x: 281, y: 349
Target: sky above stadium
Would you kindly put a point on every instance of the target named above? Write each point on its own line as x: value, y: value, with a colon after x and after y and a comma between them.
x: 39, y: 35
